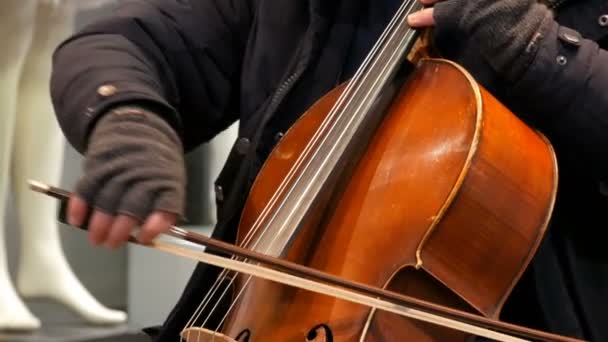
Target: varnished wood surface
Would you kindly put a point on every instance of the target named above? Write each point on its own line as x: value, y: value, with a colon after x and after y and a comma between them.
x: 500, y: 215
x: 462, y: 191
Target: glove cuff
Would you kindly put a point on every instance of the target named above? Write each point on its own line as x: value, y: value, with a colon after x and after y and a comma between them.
x: 146, y: 121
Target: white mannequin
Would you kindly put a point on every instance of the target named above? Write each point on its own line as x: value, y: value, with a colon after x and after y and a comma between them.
x: 30, y: 30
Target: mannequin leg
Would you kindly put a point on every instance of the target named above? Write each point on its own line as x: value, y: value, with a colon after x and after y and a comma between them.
x: 39, y: 145
x: 16, y: 20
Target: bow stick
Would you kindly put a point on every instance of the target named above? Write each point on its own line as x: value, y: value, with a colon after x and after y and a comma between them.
x: 296, y: 275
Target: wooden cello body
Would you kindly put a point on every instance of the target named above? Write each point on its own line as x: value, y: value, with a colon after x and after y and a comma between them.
x: 448, y: 203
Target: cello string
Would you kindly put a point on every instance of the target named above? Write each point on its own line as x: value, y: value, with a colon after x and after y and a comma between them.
x: 351, y: 85
x: 317, y: 135
x: 384, y: 72
x: 245, y: 285
x: 205, y: 301
x: 410, y: 9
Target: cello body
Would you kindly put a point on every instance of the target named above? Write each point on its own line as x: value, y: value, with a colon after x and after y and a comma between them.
x: 448, y: 203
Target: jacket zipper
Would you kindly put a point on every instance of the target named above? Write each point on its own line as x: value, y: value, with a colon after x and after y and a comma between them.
x: 282, y: 91
x: 279, y: 95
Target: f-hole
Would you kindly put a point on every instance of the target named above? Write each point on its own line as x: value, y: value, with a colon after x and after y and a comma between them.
x: 243, y: 336
x: 314, y: 333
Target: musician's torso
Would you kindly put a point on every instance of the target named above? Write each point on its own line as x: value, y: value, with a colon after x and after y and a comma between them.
x: 309, y: 55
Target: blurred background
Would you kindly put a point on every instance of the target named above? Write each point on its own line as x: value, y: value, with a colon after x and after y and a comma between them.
x: 144, y: 283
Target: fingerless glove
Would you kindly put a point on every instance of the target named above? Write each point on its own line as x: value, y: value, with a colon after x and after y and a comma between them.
x: 134, y: 165
x: 507, y: 32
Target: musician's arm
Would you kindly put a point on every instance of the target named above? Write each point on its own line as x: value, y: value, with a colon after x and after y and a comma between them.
x: 179, y: 58
x: 131, y: 93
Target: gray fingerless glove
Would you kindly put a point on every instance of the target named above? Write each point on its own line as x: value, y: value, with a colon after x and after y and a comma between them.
x: 507, y: 32
x: 134, y: 165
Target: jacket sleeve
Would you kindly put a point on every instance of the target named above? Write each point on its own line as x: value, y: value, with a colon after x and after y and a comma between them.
x: 565, y: 89
x: 180, y: 58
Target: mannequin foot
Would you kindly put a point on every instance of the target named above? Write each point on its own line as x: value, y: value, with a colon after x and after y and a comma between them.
x: 14, y: 315
x: 56, y: 281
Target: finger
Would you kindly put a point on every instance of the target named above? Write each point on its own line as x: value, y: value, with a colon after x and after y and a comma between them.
x: 429, y: 2
x: 423, y: 18
x: 120, y: 230
x: 77, y: 211
x: 157, y: 223
x: 100, y: 227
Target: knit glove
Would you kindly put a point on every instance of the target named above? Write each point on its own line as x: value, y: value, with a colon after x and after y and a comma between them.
x: 507, y: 32
x: 134, y: 165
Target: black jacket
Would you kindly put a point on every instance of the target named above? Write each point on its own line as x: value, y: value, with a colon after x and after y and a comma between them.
x: 203, y: 64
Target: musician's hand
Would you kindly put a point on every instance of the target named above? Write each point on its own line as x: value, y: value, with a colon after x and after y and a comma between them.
x: 506, y: 33
x: 423, y: 18
x: 134, y: 175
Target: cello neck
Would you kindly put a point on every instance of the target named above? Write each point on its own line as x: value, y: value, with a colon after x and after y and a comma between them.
x: 344, y: 132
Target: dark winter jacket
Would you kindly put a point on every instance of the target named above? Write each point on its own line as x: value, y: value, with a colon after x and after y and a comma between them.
x: 203, y: 64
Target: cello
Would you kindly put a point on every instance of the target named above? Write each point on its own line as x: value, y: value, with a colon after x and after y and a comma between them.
x: 396, y: 197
